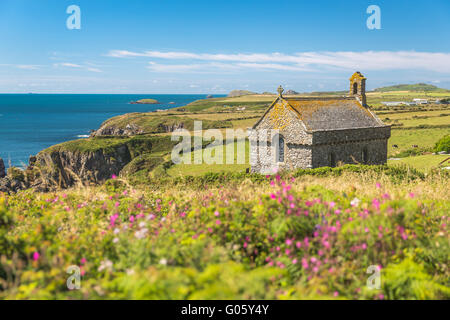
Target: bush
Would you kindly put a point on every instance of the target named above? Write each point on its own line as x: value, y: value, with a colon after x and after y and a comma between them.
x: 443, y: 144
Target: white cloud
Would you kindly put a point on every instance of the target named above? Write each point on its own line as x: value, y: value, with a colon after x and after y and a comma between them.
x: 76, y: 66
x: 304, y: 61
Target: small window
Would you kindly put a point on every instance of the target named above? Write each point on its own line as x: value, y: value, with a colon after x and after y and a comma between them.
x: 355, y: 88
x: 281, y: 150
x: 332, y: 159
x: 278, y: 142
x: 365, y: 155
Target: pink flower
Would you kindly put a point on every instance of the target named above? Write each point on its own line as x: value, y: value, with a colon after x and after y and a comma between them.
x: 218, y: 222
x: 378, y: 185
x: 364, y: 246
x: 335, y: 293
x: 288, y: 242
x: 83, y: 260
x: 36, y: 256
x: 117, y: 204
x: 216, y: 213
x: 183, y: 214
x: 287, y: 251
x: 366, y: 229
x: 245, y: 244
x: 131, y: 218
x: 376, y: 203
x: 332, y: 204
x: 113, y: 176
x: 298, y: 244
x: 294, y: 261
x: 304, y: 263
x: 411, y: 195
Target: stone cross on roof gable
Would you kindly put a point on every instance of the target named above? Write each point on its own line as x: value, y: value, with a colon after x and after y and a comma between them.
x: 280, y: 90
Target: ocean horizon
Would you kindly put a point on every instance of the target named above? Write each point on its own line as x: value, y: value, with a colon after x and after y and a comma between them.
x: 30, y: 123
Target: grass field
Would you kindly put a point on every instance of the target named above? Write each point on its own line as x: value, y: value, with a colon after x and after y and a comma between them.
x: 423, y: 163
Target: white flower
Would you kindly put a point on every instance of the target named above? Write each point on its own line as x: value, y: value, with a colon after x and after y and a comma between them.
x: 163, y: 261
x: 105, y: 265
x: 116, y: 230
x: 115, y: 240
x: 142, y: 224
x: 355, y: 202
x: 163, y: 219
x: 141, y: 233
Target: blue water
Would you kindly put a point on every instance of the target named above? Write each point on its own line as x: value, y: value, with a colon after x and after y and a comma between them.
x: 32, y: 122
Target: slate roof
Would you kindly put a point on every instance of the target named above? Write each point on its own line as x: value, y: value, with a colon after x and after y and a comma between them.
x: 333, y: 113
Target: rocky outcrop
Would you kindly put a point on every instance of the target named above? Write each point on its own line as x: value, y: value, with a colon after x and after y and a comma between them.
x: 2, y: 168
x: 129, y: 130
x: 67, y: 168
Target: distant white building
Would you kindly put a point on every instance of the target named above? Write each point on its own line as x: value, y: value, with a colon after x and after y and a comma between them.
x: 420, y: 101
x: 392, y: 103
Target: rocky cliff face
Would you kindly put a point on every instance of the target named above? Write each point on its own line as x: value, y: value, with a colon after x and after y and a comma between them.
x: 129, y: 130
x: 67, y: 168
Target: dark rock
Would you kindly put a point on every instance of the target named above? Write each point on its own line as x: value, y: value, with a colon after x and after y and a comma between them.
x: 209, y: 96
x: 2, y: 168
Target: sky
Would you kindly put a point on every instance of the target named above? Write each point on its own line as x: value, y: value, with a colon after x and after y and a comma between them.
x: 180, y: 46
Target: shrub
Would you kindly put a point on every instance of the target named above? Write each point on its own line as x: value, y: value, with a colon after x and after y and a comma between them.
x: 443, y: 144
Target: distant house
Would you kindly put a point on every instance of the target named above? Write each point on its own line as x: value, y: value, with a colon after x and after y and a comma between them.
x: 392, y: 103
x: 310, y: 132
x: 420, y: 101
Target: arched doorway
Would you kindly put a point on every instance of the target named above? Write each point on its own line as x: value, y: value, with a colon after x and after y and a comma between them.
x: 355, y: 88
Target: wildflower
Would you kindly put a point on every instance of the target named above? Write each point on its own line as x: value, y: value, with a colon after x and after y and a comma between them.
x: 83, y: 260
x: 141, y: 233
x: 294, y: 261
x: 364, y: 246
x: 304, y: 263
x: 163, y: 261
x: 335, y: 293
x: 117, y: 204
x: 131, y: 218
x: 332, y: 204
x: 288, y: 242
x: 218, y: 222
x: 113, y: 176
x: 376, y: 203
x: 411, y: 195
x: 245, y: 244
x: 298, y: 244
x: 115, y: 240
x: 142, y: 224
x: 355, y: 202
x: 288, y: 252
x: 36, y: 256
x: 315, y: 269
x: 378, y: 185
x: 216, y: 213
x: 105, y: 265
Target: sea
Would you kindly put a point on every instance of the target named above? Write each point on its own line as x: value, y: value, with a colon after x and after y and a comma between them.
x: 30, y: 123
